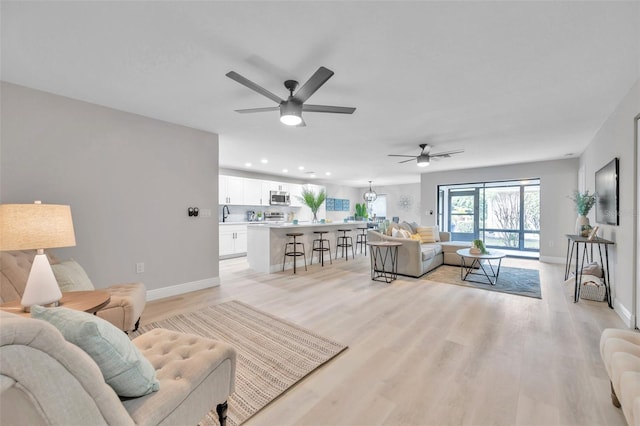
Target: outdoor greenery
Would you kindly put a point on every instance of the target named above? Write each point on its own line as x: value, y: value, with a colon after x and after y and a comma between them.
x: 584, y: 201
x: 313, y: 201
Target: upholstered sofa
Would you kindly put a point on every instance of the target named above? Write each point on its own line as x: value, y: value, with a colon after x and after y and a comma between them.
x: 45, y: 380
x: 124, y: 309
x: 416, y: 258
x: 620, y: 351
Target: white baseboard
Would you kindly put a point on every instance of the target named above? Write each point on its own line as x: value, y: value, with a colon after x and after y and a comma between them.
x: 624, y: 314
x: 175, y: 290
x: 552, y: 259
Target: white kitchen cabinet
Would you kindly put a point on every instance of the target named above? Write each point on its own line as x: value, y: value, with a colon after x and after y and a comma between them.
x: 230, y: 190
x: 232, y: 240
x: 253, y: 195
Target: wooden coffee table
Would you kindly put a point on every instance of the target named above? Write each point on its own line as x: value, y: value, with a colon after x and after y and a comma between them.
x: 87, y: 301
x: 480, y: 262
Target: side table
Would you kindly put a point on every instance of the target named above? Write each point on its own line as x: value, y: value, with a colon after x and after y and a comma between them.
x: 573, y: 244
x: 489, y: 272
x: 87, y: 301
x: 384, y: 260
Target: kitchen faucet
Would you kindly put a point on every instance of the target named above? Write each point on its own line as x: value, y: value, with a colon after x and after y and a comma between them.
x: 224, y: 216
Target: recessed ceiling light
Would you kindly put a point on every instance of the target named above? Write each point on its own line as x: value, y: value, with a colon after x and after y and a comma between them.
x: 301, y: 168
x: 328, y: 173
x: 247, y: 164
x: 264, y: 161
x: 312, y: 175
x: 285, y: 171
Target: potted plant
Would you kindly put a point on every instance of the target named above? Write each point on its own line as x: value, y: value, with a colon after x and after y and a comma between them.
x: 313, y: 201
x: 478, y: 247
x: 361, y: 211
x: 584, y: 202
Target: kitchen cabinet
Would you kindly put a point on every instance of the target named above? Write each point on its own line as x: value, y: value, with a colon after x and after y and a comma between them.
x: 232, y: 240
x: 253, y: 195
x: 230, y: 190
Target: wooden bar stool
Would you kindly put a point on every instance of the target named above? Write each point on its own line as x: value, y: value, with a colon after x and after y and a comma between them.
x: 319, y: 246
x: 294, y: 252
x: 361, y: 239
x: 344, y: 241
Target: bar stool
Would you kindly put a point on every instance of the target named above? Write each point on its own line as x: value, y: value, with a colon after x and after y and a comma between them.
x: 294, y: 250
x: 319, y: 246
x: 361, y: 239
x: 344, y: 241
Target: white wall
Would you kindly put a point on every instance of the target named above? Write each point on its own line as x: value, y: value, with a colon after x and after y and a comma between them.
x: 354, y: 195
x: 403, y: 201
x: 616, y: 139
x: 558, y: 180
x: 129, y: 180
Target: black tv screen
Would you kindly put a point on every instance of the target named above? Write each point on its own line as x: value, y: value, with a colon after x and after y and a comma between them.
x: 607, y: 191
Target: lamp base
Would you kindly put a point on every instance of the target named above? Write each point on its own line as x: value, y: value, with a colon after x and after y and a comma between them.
x: 42, y: 287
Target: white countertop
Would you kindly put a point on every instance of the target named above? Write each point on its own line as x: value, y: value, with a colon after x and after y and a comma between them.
x: 286, y: 225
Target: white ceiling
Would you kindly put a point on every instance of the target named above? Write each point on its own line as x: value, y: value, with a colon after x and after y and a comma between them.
x: 508, y: 82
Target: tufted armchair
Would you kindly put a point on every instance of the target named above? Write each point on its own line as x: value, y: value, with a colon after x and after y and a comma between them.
x: 45, y: 380
x: 124, y: 309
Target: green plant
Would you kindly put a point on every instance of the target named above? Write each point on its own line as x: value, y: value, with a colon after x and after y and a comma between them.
x: 361, y: 210
x: 313, y: 201
x: 480, y: 245
x: 584, y: 201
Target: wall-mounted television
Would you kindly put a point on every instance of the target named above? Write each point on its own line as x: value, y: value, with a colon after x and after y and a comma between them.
x: 607, y: 192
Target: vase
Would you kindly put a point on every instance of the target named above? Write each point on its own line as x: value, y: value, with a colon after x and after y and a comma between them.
x: 315, y: 217
x: 582, y: 223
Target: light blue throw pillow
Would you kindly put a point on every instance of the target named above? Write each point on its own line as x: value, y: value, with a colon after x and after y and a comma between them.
x: 124, y: 368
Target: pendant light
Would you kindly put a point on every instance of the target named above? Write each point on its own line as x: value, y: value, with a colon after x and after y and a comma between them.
x: 370, y: 196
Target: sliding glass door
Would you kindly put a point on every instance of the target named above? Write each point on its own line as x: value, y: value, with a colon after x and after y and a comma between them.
x: 503, y: 214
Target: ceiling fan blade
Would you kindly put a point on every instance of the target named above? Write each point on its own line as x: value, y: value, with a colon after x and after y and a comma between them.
x: 400, y: 155
x: 446, y: 154
x: 251, y: 85
x: 248, y: 110
x: 406, y: 161
x: 328, y: 108
x: 309, y: 88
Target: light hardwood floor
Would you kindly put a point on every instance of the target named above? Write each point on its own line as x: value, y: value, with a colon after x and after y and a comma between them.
x: 426, y: 353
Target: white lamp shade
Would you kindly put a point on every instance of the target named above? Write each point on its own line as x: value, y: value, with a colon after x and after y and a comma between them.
x: 35, y: 226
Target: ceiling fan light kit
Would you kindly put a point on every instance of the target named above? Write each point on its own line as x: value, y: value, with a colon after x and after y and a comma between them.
x: 291, y: 109
x: 423, y: 161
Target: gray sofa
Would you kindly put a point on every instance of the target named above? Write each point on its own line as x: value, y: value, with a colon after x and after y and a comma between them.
x: 416, y: 259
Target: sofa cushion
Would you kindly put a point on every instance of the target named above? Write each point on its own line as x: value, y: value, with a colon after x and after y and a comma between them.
x: 429, y: 251
x: 71, y: 276
x: 407, y: 226
x: 124, y: 368
x: 401, y: 233
x: 429, y: 234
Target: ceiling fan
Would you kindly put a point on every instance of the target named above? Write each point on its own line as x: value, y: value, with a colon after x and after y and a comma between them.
x: 424, y: 158
x: 291, y: 109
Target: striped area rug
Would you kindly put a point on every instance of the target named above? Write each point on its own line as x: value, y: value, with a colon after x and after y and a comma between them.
x: 273, y: 354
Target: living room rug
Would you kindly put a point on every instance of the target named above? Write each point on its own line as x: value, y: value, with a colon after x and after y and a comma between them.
x: 273, y: 354
x: 519, y: 281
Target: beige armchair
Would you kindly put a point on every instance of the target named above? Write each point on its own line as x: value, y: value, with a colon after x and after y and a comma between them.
x: 124, y: 309
x: 45, y: 380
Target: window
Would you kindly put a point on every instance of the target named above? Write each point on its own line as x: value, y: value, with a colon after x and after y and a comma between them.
x: 503, y: 214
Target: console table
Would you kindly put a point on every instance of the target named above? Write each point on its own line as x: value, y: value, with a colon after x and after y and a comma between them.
x: 573, y: 245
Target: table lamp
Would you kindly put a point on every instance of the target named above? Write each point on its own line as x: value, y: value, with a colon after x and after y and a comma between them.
x: 37, y: 226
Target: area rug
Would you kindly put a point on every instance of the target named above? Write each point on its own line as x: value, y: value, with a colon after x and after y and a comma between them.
x: 522, y: 282
x: 273, y: 354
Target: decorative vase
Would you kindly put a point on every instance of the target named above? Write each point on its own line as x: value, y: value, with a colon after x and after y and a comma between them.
x: 475, y: 250
x: 315, y: 217
x: 582, y: 223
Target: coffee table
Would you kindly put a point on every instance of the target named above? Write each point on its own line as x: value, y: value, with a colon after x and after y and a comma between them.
x: 480, y: 262
x: 87, y: 301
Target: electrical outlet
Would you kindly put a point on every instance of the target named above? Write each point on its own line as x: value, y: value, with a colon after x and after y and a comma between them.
x: 139, y: 268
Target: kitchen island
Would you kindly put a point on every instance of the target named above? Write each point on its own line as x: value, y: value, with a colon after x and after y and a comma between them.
x: 266, y: 241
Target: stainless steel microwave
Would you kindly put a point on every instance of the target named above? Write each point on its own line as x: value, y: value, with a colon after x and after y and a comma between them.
x: 279, y: 198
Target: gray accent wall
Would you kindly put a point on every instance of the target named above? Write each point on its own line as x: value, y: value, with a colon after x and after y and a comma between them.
x: 129, y: 180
